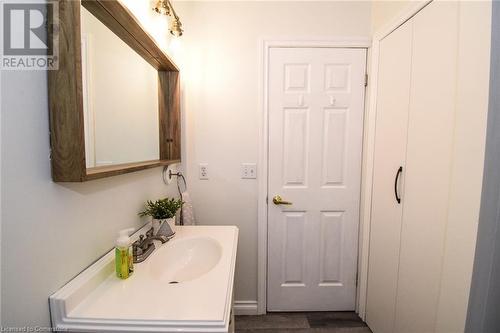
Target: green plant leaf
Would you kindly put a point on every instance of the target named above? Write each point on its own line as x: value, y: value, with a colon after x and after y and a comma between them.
x: 162, y: 208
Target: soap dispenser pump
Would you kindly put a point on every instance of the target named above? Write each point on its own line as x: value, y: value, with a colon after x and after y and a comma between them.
x: 124, y: 259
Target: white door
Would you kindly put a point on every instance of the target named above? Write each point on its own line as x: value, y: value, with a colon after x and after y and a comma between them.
x: 316, y: 102
x: 415, y: 124
x: 393, y: 99
x: 430, y: 149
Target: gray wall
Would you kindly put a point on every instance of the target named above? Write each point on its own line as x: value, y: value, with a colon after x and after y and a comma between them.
x: 484, y: 301
x: 50, y: 232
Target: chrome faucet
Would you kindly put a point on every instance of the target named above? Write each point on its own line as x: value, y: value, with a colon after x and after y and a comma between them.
x: 144, y: 246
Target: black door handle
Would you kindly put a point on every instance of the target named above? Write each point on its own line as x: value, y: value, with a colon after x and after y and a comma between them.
x: 398, y: 198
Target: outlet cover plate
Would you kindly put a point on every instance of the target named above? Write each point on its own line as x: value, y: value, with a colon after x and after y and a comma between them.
x: 203, y: 171
x: 248, y: 170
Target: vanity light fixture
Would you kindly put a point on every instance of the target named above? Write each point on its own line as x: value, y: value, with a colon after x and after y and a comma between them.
x: 164, y: 7
x: 176, y: 27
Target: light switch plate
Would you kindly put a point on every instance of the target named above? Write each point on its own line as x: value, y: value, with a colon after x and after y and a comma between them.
x: 249, y: 171
x: 203, y: 171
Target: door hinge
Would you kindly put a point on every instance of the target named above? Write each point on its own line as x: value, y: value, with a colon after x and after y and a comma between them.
x: 366, y: 80
x: 356, y: 279
x: 266, y: 200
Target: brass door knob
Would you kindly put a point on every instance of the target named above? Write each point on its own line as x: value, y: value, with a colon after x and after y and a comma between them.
x: 277, y: 200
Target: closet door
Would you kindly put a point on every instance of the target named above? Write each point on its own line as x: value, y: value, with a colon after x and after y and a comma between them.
x: 428, y: 165
x: 390, y: 151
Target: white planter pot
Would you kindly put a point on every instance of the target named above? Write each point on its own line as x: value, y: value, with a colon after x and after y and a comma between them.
x: 155, y: 223
x: 171, y: 223
x: 158, y: 222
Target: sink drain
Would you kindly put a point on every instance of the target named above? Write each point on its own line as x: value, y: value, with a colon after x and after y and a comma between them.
x: 173, y: 282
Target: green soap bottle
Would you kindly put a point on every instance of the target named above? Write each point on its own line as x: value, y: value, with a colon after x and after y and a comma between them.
x: 124, y: 259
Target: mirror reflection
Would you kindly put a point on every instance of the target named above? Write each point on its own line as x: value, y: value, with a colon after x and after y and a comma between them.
x: 120, y: 99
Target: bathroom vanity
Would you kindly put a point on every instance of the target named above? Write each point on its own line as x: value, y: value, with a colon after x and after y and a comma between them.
x: 186, y: 285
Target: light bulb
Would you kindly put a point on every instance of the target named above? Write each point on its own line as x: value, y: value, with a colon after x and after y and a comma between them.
x: 176, y: 28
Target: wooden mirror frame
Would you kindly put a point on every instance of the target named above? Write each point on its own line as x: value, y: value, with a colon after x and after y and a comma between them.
x: 67, y: 138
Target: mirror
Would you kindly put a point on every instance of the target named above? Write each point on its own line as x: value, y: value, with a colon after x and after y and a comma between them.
x: 114, y: 100
x: 120, y: 99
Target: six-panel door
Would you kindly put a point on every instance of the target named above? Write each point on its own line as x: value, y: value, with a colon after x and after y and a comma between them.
x: 316, y: 102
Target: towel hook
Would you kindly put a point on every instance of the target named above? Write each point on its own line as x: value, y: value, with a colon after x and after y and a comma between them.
x: 168, y: 174
x: 167, y: 178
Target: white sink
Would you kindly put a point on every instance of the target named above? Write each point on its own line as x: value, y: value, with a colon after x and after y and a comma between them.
x: 185, y: 285
x: 185, y: 259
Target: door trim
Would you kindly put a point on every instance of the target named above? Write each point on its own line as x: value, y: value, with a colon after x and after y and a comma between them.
x: 266, y: 45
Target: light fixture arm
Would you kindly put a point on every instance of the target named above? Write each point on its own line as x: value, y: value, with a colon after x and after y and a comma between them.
x: 173, y: 10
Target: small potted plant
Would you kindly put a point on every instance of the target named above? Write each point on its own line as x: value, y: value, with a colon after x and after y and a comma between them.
x: 162, y: 210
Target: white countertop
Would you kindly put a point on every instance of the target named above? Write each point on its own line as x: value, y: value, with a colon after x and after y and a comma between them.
x: 96, y: 300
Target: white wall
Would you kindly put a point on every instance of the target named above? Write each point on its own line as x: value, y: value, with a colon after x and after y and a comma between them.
x: 50, y: 232
x: 222, y: 79
x: 468, y: 163
x: 383, y: 12
x: 484, y: 299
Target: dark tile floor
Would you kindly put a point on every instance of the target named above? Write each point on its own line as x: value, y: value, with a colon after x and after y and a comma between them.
x: 302, y: 322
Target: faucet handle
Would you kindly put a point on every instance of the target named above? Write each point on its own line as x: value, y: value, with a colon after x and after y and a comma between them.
x: 136, y: 248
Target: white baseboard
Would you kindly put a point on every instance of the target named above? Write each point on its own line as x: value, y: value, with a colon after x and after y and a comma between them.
x: 245, y: 308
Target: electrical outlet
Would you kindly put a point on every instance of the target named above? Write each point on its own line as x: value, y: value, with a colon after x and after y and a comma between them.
x: 248, y: 170
x: 203, y: 171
